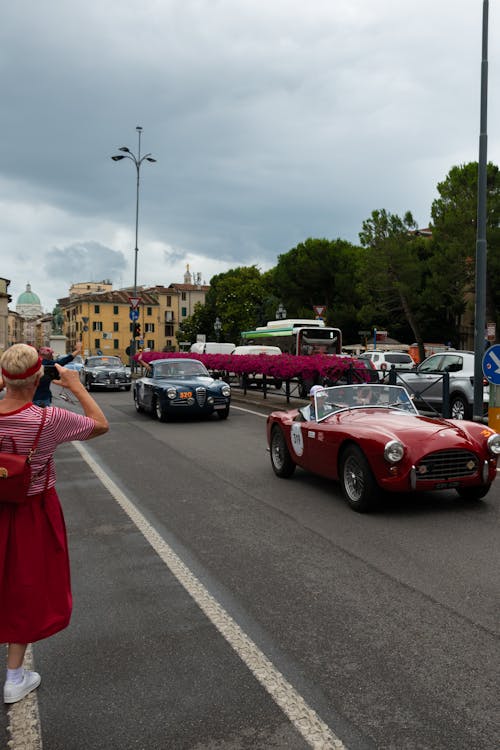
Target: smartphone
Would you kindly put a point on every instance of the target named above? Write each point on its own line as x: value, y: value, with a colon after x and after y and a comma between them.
x: 50, y: 371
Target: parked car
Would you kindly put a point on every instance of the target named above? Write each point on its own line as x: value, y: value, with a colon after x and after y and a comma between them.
x: 255, y: 350
x: 181, y: 386
x: 371, y: 439
x: 105, y: 372
x: 426, y: 383
x: 76, y: 363
x: 382, y: 361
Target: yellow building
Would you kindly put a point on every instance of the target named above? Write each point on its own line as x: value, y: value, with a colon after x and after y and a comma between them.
x: 102, y: 322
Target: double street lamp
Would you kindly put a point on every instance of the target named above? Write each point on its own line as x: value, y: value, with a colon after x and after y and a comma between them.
x: 137, y: 161
x: 217, y: 328
x: 280, y: 312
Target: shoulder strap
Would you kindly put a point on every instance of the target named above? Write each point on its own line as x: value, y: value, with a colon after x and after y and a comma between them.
x: 33, y: 449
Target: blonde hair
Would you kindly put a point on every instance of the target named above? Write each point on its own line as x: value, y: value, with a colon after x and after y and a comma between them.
x: 17, y: 359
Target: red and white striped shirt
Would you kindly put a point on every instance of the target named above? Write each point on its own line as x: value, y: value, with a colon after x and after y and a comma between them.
x: 61, y: 426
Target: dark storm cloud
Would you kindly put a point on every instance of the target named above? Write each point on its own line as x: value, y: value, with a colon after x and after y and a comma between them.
x: 88, y: 261
x: 270, y: 122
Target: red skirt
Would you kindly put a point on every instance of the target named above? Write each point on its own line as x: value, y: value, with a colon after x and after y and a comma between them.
x: 35, y: 584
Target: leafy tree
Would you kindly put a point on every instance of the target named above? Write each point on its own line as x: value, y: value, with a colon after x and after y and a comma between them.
x: 392, y: 272
x: 236, y: 297
x: 452, y: 266
x: 319, y: 272
x: 199, y: 322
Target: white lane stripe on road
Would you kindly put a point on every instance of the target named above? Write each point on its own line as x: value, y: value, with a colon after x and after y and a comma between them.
x: 305, y: 720
x: 249, y: 411
x: 23, y: 726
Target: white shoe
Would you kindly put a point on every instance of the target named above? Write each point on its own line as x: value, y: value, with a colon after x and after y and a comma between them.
x: 13, y: 692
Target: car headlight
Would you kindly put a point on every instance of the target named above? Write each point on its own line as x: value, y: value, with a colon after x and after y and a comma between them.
x: 226, y: 390
x: 394, y: 451
x: 494, y: 444
x: 171, y: 392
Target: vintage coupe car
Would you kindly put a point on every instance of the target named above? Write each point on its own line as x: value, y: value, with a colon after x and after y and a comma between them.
x: 181, y: 386
x: 372, y: 439
x: 105, y: 372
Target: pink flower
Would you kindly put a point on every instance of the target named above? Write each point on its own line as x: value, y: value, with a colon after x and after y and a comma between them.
x: 282, y: 366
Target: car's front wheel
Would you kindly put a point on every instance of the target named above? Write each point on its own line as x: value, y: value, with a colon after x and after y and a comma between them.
x: 460, y: 408
x: 357, y: 481
x: 159, y: 410
x: 223, y: 413
x: 88, y: 385
x: 281, y: 460
x: 474, y: 493
x: 137, y: 405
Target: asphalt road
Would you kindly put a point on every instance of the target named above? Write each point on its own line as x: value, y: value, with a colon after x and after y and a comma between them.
x: 218, y: 607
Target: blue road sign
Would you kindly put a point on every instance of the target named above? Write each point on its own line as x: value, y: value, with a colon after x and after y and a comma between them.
x: 491, y: 364
x: 134, y: 314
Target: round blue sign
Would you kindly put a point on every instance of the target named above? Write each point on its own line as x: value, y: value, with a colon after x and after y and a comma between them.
x: 134, y: 314
x: 491, y: 364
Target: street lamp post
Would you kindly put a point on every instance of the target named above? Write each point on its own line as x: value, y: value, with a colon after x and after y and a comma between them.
x: 280, y: 312
x: 217, y: 328
x: 137, y: 161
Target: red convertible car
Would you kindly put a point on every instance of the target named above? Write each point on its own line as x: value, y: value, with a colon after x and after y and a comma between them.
x: 372, y: 439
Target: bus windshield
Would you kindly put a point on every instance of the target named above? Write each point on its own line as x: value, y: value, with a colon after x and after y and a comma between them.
x: 318, y: 341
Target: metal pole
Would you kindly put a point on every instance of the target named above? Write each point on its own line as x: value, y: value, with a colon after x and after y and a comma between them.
x: 137, y: 160
x: 480, y: 304
x: 138, y: 169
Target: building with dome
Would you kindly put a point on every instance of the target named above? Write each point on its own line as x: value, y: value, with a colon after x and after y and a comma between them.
x: 28, y: 304
x: 36, y: 324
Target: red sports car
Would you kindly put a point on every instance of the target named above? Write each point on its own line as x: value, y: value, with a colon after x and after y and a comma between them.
x: 371, y: 438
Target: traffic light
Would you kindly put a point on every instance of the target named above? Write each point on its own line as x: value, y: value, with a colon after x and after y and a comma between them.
x: 137, y: 331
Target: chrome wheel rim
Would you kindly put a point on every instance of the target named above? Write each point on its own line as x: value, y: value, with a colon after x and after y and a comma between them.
x: 458, y: 410
x: 354, y: 480
x: 277, y: 451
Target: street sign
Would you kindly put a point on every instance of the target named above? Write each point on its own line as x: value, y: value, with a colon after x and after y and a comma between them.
x: 134, y: 302
x: 134, y: 314
x: 491, y: 364
x: 319, y: 310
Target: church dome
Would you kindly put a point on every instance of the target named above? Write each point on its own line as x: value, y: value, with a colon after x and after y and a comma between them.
x: 28, y: 304
x: 28, y: 297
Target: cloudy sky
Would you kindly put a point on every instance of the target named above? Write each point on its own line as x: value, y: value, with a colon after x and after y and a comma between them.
x: 271, y: 121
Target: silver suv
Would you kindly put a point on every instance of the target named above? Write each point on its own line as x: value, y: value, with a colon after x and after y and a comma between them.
x: 425, y: 382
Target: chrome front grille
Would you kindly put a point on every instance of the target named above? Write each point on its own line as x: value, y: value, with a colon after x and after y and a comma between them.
x: 447, y: 465
x: 201, y: 396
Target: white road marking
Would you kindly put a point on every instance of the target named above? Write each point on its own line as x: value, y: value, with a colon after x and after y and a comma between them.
x: 23, y: 726
x: 305, y: 720
x: 249, y: 411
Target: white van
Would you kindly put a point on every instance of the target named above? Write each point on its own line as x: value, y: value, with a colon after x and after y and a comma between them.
x: 256, y: 349
x: 211, y: 347
x: 255, y: 378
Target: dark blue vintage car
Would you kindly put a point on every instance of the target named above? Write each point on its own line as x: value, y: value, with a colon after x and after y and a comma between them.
x: 181, y: 386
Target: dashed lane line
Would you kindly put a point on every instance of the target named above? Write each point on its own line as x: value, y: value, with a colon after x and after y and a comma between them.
x: 305, y: 720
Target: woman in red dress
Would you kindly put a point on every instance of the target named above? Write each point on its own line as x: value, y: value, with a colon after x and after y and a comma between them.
x: 35, y: 587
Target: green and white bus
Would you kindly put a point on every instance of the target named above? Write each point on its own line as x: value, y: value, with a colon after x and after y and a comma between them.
x: 297, y: 336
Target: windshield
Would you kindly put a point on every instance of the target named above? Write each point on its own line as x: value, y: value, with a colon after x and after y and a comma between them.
x: 188, y: 369
x: 341, y: 397
x: 104, y: 362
